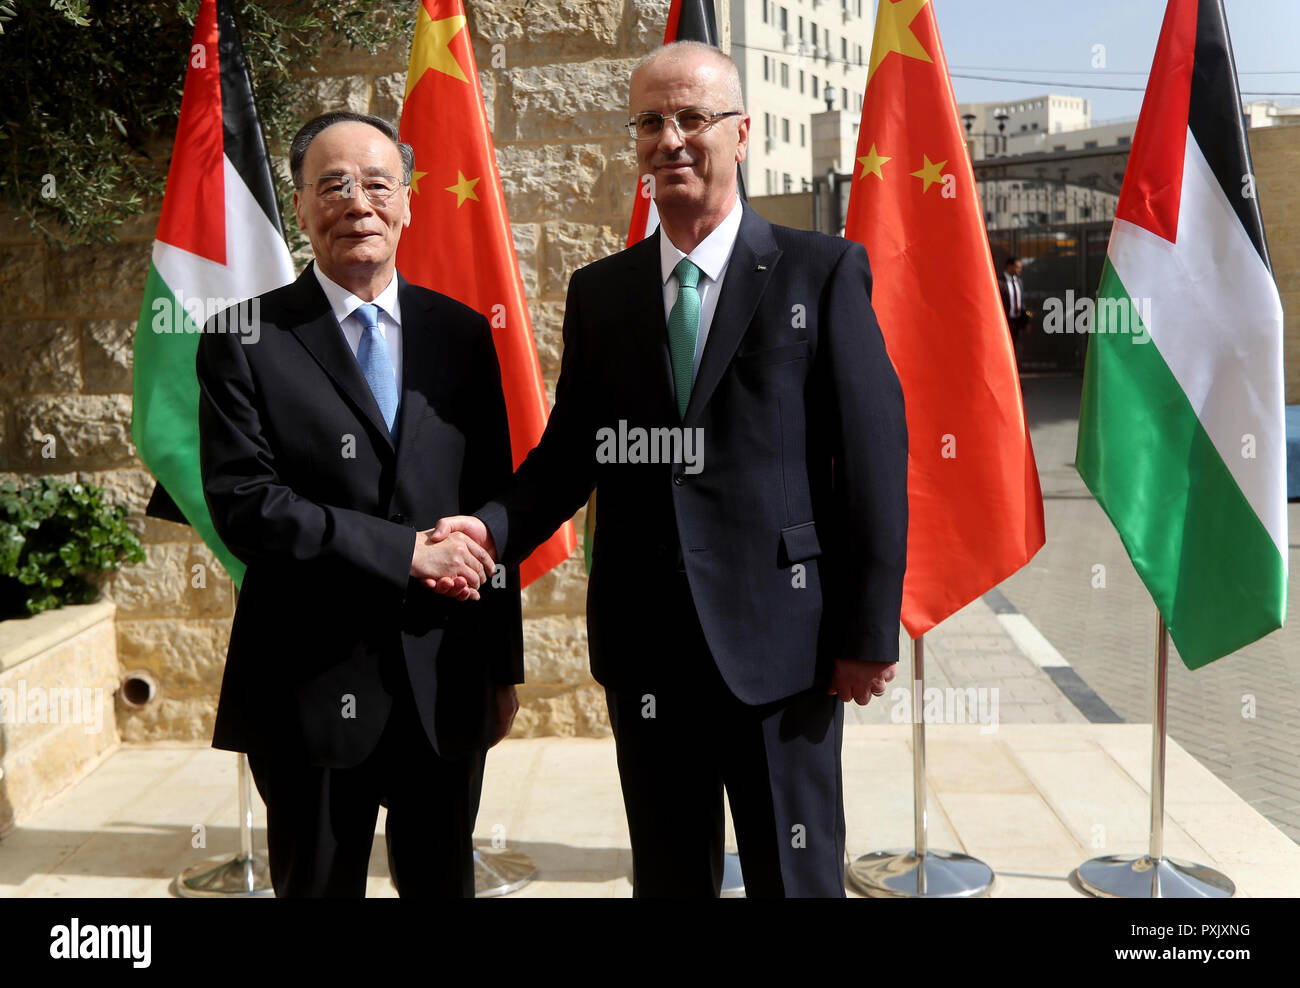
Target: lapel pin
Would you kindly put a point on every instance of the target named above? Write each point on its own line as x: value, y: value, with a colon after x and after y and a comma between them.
x: 761, y: 267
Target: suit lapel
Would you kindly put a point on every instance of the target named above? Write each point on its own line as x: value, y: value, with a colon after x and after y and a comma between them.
x: 318, y: 331
x: 753, y: 260
x: 419, y: 363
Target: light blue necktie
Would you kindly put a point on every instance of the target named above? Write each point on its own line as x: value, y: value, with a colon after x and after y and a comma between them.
x: 376, y: 365
x: 683, y: 329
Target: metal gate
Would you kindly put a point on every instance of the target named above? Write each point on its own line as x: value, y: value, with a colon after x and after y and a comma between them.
x: 1054, y: 212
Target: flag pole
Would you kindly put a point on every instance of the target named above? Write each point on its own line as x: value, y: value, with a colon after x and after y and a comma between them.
x: 920, y: 872
x: 245, y: 875
x: 1152, y: 875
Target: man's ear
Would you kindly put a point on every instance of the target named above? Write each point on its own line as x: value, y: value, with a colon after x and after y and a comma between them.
x: 297, y: 209
x: 742, y: 149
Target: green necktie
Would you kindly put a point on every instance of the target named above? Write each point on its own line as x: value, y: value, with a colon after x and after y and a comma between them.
x: 683, y: 328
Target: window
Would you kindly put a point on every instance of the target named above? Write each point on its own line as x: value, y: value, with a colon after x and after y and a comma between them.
x: 803, y: 135
x: 859, y: 54
x: 765, y: 3
x: 786, y: 185
x: 785, y: 20
x: 785, y: 130
x: 800, y: 28
x: 785, y: 76
x: 767, y: 69
x: 767, y: 125
x: 844, y: 50
x: 801, y: 82
x: 814, y: 86
x: 844, y: 98
x: 771, y: 181
x: 813, y: 26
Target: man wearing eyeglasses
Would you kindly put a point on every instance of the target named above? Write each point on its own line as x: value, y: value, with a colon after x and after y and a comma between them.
x: 739, y: 598
x: 366, y: 409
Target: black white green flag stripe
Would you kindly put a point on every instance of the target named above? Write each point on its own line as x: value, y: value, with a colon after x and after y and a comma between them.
x: 1181, y: 435
x: 219, y: 242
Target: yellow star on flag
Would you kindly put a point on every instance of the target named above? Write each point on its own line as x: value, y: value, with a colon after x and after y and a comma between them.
x: 929, y: 172
x: 894, y: 33
x: 464, y: 188
x: 872, y: 162
x: 429, y: 48
x: 415, y: 181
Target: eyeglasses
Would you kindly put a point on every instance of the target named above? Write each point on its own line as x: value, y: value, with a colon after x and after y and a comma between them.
x: 691, y: 121
x: 377, y: 188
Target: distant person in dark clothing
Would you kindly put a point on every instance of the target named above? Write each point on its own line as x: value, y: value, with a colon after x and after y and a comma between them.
x: 1013, y: 298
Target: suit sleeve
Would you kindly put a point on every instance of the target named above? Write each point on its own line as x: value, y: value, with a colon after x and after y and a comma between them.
x: 256, y: 514
x: 865, y: 592
x: 557, y: 477
x: 487, y: 469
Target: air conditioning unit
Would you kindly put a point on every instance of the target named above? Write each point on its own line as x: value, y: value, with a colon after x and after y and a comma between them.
x: 787, y: 40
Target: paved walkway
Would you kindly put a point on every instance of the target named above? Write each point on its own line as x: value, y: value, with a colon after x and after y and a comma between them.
x: 1031, y: 800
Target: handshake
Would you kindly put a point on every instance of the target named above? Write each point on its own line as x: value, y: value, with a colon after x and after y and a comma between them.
x: 455, y: 557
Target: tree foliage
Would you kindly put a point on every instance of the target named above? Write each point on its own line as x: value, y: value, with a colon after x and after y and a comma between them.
x: 90, y: 93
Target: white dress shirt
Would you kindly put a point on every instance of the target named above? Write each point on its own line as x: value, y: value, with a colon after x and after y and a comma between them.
x: 712, y: 257
x: 344, y: 304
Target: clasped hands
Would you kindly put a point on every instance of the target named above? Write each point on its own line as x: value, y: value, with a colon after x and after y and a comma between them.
x: 455, y: 557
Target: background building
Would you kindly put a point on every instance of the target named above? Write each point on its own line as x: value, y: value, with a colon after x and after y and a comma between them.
x: 796, y: 57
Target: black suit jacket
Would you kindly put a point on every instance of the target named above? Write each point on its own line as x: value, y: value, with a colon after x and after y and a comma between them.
x: 307, y: 488
x: 1004, y: 289
x: 794, y: 534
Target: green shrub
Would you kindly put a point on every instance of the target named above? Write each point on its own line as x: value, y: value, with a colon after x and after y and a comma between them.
x: 55, y: 538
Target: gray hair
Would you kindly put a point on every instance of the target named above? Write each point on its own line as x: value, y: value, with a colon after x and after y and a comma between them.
x: 676, y: 51
x: 312, y: 128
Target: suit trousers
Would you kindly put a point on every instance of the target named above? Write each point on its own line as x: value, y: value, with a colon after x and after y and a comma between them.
x: 321, y: 821
x: 684, y: 740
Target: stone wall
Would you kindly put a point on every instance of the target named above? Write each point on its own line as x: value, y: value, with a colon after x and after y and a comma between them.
x: 554, y: 77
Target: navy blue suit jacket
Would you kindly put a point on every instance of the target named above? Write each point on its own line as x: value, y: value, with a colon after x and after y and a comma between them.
x: 793, y: 535
x: 306, y: 486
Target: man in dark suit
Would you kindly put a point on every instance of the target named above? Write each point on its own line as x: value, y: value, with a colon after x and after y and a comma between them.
x: 726, y: 389
x: 362, y: 410
x: 1013, y: 298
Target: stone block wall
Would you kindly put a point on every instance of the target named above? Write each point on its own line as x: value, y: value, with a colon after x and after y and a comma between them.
x: 554, y: 78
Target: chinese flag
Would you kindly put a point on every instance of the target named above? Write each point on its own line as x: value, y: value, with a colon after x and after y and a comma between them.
x: 976, y: 511
x: 459, y: 241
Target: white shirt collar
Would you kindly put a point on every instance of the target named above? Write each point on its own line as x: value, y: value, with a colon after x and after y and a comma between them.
x: 344, y: 303
x: 712, y: 253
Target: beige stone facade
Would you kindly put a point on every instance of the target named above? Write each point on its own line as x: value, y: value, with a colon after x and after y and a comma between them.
x: 58, y: 678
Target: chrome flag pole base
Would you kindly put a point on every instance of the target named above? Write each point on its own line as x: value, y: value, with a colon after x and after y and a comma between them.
x: 733, y: 882
x: 933, y: 875
x: 501, y: 872
x: 1139, y: 877
x: 226, y: 878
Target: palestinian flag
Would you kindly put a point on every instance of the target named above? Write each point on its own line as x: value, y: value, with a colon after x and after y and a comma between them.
x: 975, y: 512
x: 219, y: 242
x: 1181, y: 435
x: 459, y: 242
